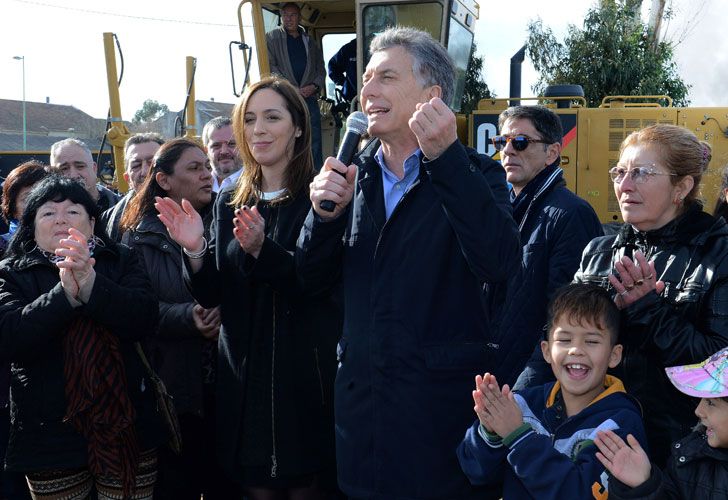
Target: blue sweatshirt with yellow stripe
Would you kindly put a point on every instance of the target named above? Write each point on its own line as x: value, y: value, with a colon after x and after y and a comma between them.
x: 552, y: 456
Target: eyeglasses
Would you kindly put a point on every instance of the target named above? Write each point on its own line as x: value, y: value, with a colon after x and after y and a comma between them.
x: 639, y: 175
x: 520, y: 142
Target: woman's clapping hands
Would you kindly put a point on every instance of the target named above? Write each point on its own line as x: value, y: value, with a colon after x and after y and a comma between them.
x: 249, y: 229
x: 77, y: 269
x: 636, y: 278
x: 183, y: 223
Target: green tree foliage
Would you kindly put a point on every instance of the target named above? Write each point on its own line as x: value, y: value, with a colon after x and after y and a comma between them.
x: 475, y: 86
x: 613, y: 54
x: 150, y: 110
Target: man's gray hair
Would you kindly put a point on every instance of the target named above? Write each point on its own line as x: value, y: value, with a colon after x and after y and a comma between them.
x: 215, y: 124
x: 432, y: 64
x: 68, y: 142
x: 142, y: 138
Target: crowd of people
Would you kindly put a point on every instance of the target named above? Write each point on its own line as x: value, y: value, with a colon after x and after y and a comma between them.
x: 456, y: 328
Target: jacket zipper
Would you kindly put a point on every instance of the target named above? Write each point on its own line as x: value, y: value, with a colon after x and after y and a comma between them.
x: 274, y: 460
x: 321, y: 381
x: 273, y: 457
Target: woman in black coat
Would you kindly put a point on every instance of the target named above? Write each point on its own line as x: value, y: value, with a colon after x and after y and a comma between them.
x: 16, y: 188
x: 72, y: 304
x: 668, y: 267
x: 277, y: 344
x: 183, y: 349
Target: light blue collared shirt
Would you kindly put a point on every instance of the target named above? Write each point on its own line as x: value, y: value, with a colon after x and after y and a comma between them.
x: 394, y: 188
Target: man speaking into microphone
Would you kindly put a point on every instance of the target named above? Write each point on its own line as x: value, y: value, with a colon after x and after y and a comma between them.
x: 420, y: 224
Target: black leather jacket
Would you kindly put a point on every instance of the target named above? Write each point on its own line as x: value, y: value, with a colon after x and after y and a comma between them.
x: 696, y: 471
x: 685, y: 324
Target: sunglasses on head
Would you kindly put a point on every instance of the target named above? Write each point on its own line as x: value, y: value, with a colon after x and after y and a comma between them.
x: 519, y: 142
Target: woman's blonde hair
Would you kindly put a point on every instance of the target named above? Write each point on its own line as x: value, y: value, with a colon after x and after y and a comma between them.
x: 300, y: 167
x: 681, y: 151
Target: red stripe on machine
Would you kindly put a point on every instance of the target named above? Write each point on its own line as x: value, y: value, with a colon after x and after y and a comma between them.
x: 569, y: 136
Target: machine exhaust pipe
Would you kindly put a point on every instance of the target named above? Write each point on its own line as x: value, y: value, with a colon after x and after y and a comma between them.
x: 516, y: 62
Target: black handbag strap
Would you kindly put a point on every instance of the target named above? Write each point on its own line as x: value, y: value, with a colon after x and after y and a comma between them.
x: 145, y: 361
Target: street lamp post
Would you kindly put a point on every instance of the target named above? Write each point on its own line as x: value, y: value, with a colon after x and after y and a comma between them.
x: 25, y: 128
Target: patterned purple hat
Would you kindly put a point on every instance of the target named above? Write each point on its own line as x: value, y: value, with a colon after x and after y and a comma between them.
x: 708, y: 379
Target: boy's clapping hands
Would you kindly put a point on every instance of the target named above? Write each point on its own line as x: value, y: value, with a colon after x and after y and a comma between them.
x: 496, y: 408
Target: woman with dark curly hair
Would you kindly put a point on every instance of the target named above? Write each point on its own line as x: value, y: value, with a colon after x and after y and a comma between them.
x: 72, y: 305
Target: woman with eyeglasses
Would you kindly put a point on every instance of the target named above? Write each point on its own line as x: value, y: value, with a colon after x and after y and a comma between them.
x: 668, y: 269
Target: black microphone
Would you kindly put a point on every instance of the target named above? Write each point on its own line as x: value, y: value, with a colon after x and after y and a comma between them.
x: 356, y: 126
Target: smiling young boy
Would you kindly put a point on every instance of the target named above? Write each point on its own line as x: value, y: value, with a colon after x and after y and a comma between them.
x: 539, y: 442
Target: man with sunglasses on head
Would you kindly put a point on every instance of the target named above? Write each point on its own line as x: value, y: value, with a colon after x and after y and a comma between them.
x: 555, y: 226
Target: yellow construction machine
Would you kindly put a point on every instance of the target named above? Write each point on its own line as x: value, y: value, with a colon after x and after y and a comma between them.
x: 592, y: 135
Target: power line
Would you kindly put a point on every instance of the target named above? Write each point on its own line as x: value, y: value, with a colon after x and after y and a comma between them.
x: 127, y: 16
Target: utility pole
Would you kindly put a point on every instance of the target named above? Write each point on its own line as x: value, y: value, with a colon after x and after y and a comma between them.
x: 25, y: 127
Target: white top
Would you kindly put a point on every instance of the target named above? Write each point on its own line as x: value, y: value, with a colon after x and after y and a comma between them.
x: 272, y: 195
x: 227, y: 181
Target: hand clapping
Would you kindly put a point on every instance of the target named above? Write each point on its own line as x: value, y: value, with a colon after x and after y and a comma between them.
x: 249, y: 229
x: 77, y: 269
x: 183, y: 223
x: 497, y: 409
x: 636, y: 279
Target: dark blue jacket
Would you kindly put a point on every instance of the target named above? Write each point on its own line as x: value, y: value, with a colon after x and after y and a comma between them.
x: 555, y: 228
x: 415, y: 329
x: 342, y: 69
x: 556, y: 458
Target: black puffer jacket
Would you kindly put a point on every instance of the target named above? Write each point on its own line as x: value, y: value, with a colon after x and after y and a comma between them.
x: 685, y: 324
x: 695, y: 471
x: 34, y: 316
x: 176, y: 349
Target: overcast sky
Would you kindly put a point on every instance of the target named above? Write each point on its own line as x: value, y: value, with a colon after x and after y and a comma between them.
x: 697, y: 28
x: 62, y: 43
